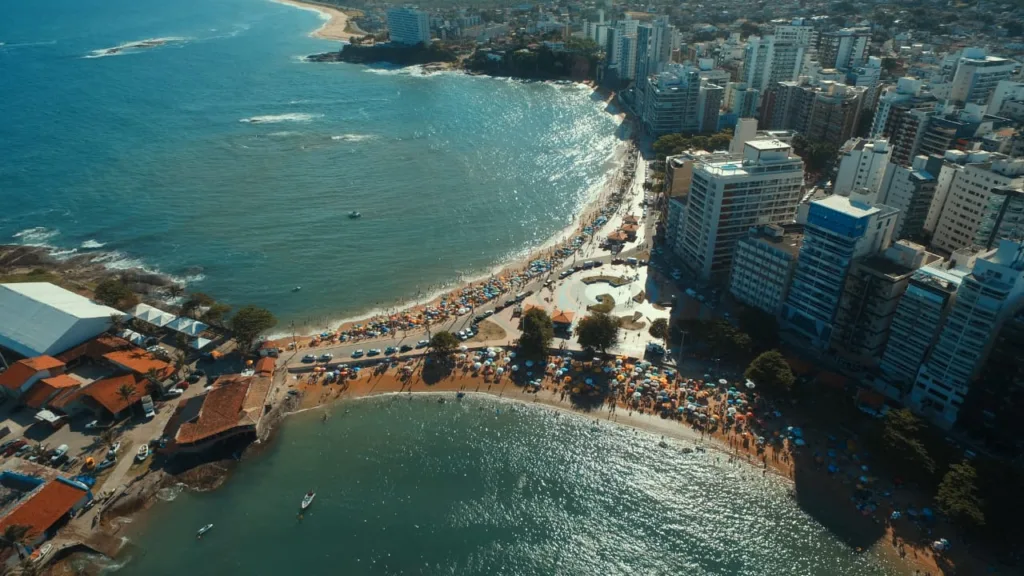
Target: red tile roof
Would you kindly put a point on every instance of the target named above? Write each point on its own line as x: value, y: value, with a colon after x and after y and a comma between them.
x: 65, y: 397
x: 562, y: 317
x: 46, y: 388
x: 266, y: 365
x: 16, y: 375
x: 222, y: 409
x: 139, y: 361
x: 43, y: 363
x: 44, y: 508
x: 95, y: 348
x: 106, y: 392
x: 630, y: 219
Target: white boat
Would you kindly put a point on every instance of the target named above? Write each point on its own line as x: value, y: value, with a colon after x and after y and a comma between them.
x: 143, y: 453
x: 354, y: 214
x: 307, y: 500
x: 204, y: 530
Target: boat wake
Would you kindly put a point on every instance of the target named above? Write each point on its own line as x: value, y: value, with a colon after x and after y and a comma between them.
x: 171, y: 493
x: 277, y: 118
x: 131, y: 47
x: 353, y: 137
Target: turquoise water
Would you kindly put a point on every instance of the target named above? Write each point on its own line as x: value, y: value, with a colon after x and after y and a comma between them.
x: 486, y: 487
x: 222, y: 158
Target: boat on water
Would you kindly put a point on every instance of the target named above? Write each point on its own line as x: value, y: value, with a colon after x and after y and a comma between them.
x: 297, y: 288
x: 307, y: 500
x: 353, y: 214
x: 204, y: 530
x: 460, y: 395
x: 143, y: 453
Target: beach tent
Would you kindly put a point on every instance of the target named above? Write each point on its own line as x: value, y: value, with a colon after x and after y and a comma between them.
x: 198, y: 343
x: 187, y: 326
x: 151, y: 315
x: 133, y: 337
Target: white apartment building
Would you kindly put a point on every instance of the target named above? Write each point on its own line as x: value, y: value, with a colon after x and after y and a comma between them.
x: 408, y: 26
x: 862, y: 165
x: 844, y: 49
x: 911, y: 190
x: 763, y: 266
x: 967, y: 204
x: 768, y: 60
x: 678, y: 100
x: 919, y: 319
x: 729, y: 196
x: 1005, y: 91
x: 977, y: 75
x: 838, y: 233
x: 990, y: 294
x: 906, y: 94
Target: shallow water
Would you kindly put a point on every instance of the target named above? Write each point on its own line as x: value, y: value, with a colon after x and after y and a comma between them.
x: 220, y: 157
x: 484, y: 486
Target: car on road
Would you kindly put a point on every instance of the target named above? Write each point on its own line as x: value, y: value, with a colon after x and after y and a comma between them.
x: 373, y: 352
x: 14, y: 447
x: 488, y: 314
x: 174, y: 393
x: 59, y: 453
x: 405, y: 348
x: 357, y: 354
x: 390, y: 350
x: 309, y: 358
x: 113, y: 450
x: 423, y: 344
x: 327, y: 357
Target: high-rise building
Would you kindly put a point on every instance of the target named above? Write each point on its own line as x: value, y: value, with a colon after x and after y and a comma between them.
x: 862, y: 165
x: 839, y: 232
x: 787, y: 106
x: 987, y: 297
x: 729, y: 196
x: 844, y: 49
x: 870, y: 297
x: 827, y: 112
x: 763, y: 266
x: 977, y: 75
x: 1005, y: 91
x: 896, y: 101
x: 911, y: 190
x: 740, y: 100
x: 677, y: 100
x: 408, y: 26
x: 920, y: 316
x: 976, y: 197
x: 769, y: 60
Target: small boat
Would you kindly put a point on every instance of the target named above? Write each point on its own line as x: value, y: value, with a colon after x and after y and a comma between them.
x: 353, y: 214
x: 297, y: 288
x: 204, y: 530
x: 307, y: 500
x: 143, y: 453
x: 460, y: 395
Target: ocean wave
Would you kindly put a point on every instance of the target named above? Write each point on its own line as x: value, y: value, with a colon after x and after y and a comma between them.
x: 353, y: 137
x: 276, y: 118
x: 130, y: 47
x: 93, y: 244
x: 283, y: 134
x: 27, y: 44
x: 36, y: 236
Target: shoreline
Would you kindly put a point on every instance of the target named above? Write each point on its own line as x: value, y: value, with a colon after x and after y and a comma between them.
x: 336, y: 24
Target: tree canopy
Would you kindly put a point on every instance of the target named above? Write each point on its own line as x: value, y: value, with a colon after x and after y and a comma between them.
x: 443, y: 344
x: 598, y: 331
x: 958, y: 495
x: 771, y: 371
x: 248, y: 323
x: 670, y: 144
x: 762, y: 327
x: 902, y: 438
x: 537, y: 333
x: 115, y: 293
x: 659, y: 329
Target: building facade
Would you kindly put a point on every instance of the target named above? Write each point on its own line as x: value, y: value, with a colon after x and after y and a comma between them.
x: 862, y: 165
x: 408, y: 26
x: 763, y: 266
x: 911, y: 190
x: 975, y: 199
x: 977, y: 76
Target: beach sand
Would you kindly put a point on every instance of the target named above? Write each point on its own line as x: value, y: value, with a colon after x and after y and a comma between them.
x: 336, y: 25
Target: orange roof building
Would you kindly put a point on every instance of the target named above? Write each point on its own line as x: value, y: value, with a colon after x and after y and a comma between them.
x: 45, y: 507
x: 45, y: 389
x: 21, y: 375
x: 233, y: 406
x: 618, y: 236
x: 106, y: 392
x: 265, y: 366
x: 630, y: 219
x: 562, y: 317
x: 94, y: 348
x: 139, y: 361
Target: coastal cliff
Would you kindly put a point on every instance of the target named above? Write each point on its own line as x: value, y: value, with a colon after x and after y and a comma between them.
x: 398, y: 55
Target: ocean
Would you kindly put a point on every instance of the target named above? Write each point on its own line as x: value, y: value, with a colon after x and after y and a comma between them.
x: 221, y: 158
x: 484, y: 486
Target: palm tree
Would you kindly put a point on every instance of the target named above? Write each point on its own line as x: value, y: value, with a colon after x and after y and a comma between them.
x: 108, y: 436
x: 14, y: 537
x: 174, y: 291
x: 117, y: 323
x: 126, y: 392
x: 180, y: 361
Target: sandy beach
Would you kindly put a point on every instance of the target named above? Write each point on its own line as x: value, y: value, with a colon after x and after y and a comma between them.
x: 336, y: 24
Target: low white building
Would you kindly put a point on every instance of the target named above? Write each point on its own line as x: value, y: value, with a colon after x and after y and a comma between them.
x: 39, y: 318
x: 763, y: 265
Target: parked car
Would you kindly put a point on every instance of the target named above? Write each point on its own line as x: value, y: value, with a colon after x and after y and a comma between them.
x: 326, y: 357
x: 357, y: 354
x: 95, y: 425
x: 15, y: 447
x: 423, y: 343
x: 41, y: 552
x: 112, y: 452
x: 373, y: 352
x: 59, y: 453
x: 174, y: 393
x: 405, y: 348
x: 390, y: 350
x: 309, y: 358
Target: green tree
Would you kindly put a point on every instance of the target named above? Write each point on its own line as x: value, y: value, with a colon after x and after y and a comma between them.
x: 195, y: 301
x: 670, y: 144
x: 443, y: 344
x: 718, y: 142
x: 126, y: 392
x: 659, y: 329
x: 728, y: 341
x: 154, y: 376
x: 14, y: 537
x: 762, y: 327
x: 598, y: 331
x: 537, y: 333
x: 174, y: 291
x: 901, y: 437
x: 699, y: 142
x: 957, y: 496
x: 771, y: 371
x: 248, y: 323
x: 117, y: 323
x: 115, y: 293
x: 216, y: 313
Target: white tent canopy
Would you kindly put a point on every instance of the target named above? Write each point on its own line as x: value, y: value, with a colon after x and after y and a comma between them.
x: 151, y: 315
x: 133, y: 337
x: 187, y: 326
x: 199, y: 343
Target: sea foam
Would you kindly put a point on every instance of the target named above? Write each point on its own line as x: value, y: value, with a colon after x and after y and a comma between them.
x: 276, y: 118
x: 92, y: 244
x: 36, y: 236
x: 132, y: 47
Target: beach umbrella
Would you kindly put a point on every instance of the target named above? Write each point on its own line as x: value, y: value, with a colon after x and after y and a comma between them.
x: 488, y: 363
x: 800, y: 442
x: 552, y: 366
x: 515, y: 368
x: 511, y: 354
x: 750, y: 385
x: 589, y: 381
x: 723, y: 381
x: 476, y: 366
x: 637, y: 394
x: 500, y: 370
x: 491, y: 353
x: 464, y: 348
x: 529, y: 363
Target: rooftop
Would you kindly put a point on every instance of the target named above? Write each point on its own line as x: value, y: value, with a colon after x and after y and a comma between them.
x: 233, y: 401
x: 562, y: 317
x: 139, y: 361
x: 107, y: 393
x: 266, y: 365
x: 46, y: 388
x: 21, y: 371
x: 36, y: 316
x: 852, y: 208
x: 43, y: 508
